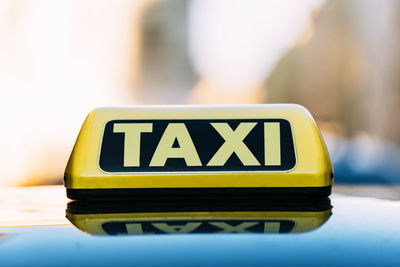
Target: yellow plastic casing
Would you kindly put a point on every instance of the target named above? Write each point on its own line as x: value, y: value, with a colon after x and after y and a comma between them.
x: 312, y: 169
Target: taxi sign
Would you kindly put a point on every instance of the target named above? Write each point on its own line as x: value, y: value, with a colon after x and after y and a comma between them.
x: 267, y: 149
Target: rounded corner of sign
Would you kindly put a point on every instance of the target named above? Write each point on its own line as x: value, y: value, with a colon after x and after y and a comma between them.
x: 303, y: 111
x: 98, y: 113
x: 92, y: 113
x: 299, y: 107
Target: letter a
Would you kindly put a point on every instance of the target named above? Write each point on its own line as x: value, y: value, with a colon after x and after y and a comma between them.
x: 165, y: 149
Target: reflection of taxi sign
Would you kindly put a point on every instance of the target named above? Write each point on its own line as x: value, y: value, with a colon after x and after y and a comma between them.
x: 269, y: 149
x: 197, y: 226
x: 199, y: 216
x: 228, y: 222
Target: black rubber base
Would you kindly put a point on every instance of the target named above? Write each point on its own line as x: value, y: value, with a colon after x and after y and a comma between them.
x: 193, y: 193
x: 199, y: 205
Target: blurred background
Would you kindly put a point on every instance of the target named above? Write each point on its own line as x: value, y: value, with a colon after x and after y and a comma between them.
x: 61, y: 59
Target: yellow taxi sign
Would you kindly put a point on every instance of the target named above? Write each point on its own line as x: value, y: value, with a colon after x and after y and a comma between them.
x: 275, y: 148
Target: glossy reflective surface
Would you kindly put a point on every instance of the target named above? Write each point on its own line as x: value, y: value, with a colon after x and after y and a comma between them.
x: 361, y: 231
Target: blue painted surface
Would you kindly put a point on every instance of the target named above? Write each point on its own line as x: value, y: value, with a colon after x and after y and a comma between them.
x: 361, y: 231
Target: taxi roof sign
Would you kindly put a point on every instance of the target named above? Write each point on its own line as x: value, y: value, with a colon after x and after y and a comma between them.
x: 267, y: 149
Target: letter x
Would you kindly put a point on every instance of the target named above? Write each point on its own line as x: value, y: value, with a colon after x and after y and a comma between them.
x: 227, y: 228
x: 233, y: 144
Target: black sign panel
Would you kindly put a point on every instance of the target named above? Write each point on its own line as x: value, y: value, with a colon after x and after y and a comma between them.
x: 218, y: 226
x: 202, y: 138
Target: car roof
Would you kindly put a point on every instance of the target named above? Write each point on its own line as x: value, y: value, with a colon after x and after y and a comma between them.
x: 361, y: 230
